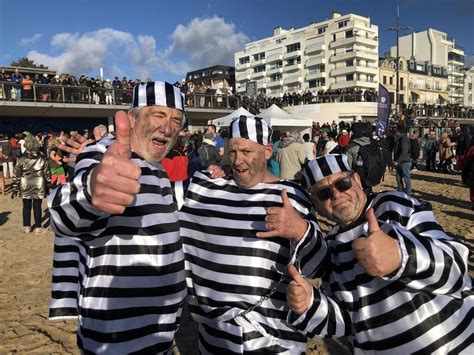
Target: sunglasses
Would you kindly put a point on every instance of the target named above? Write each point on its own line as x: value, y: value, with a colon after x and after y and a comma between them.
x: 342, y: 184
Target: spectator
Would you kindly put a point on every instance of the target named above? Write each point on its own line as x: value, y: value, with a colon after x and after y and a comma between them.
x: 402, y: 160
x: 415, y: 150
x: 291, y: 156
x: 108, y: 92
x: 56, y: 166
x: 309, y: 147
x: 7, y: 157
x: 361, y: 134
x: 273, y: 165
x: 17, y: 80
x: 343, y: 139
x: 431, y: 149
x: 43, y: 88
x: 208, y: 152
x: 216, y: 138
x: 32, y: 182
x: 445, y: 153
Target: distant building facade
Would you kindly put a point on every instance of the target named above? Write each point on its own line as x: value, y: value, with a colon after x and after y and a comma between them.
x: 436, y: 49
x: 338, y: 53
x: 468, y: 82
x: 215, y: 77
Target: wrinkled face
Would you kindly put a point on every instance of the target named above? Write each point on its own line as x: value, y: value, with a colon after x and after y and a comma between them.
x: 342, y: 207
x: 249, y: 161
x: 155, y: 132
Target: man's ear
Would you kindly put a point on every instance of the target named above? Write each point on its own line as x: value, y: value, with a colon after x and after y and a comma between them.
x: 357, y: 179
x: 268, y: 151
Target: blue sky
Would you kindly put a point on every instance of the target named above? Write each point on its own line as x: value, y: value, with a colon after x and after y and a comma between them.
x: 165, y: 39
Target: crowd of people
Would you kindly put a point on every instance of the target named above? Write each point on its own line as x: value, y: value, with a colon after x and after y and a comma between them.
x: 240, y: 239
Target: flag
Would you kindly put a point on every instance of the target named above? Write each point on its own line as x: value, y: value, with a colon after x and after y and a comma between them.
x: 383, y: 110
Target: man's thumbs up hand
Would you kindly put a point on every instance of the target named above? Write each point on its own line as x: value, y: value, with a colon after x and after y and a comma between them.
x: 284, y: 221
x: 299, y: 292
x: 114, y: 182
x: 378, y: 253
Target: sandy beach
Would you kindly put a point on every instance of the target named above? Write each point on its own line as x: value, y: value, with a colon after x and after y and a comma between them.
x: 25, y: 270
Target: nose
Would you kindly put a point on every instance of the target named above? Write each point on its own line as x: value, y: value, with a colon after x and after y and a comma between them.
x: 237, y: 158
x: 165, y: 127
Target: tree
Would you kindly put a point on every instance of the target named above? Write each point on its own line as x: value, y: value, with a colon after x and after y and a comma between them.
x: 24, y: 62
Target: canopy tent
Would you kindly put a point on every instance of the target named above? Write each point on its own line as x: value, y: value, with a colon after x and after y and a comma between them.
x: 278, y: 119
x: 226, y: 120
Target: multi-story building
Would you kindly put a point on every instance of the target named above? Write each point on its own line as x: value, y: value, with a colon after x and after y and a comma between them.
x: 214, y: 77
x: 468, y: 82
x: 420, y: 82
x: 338, y: 53
x: 436, y: 48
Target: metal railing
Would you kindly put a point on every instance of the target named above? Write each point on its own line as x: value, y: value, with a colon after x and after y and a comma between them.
x: 100, y: 96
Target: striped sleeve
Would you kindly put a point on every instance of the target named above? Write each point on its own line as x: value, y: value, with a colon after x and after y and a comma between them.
x: 432, y: 261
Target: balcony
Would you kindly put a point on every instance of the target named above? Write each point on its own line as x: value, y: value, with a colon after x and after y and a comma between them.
x: 368, y: 55
x: 456, y: 62
x: 293, y: 67
x: 456, y: 84
x: 455, y: 73
x: 243, y: 66
x: 314, y: 76
x: 256, y: 63
x: 274, y: 71
x: 338, y: 57
x: 293, y: 79
x: 343, y: 70
x: 257, y: 75
x: 340, y: 42
x: 457, y: 50
x: 355, y: 83
x: 274, y: 57
x: 314, y: 61
x: 292, y: 54
x: 315, y: 48
x: 273, y: 83
x: 242, y: 76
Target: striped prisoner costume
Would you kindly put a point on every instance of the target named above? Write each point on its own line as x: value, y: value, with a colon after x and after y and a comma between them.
x: 425, y: 308
x: 229, y: 269
x: 131, y: 267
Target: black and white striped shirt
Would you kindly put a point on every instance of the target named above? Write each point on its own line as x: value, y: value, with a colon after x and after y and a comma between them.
x: 426, y: 307
x: 229, y: 269
x: 131, y: 270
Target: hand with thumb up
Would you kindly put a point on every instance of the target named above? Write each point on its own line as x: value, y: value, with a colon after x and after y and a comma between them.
x: 114, y: 182
x: 378, y: 253
x: 299, y: 292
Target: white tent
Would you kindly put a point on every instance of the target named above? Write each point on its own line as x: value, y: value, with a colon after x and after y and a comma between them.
x: 226, y: 120
x: 284, y: 122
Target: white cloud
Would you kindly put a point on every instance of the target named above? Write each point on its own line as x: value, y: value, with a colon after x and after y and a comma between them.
x: 202, y: 42
x: 26, y: 41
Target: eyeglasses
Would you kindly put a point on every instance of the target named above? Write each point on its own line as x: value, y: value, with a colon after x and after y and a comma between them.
x: 342, y: 184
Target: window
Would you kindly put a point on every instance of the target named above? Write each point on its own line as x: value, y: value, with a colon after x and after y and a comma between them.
x: 401, y: 83
x: 370, y: 78
x: 349, y: 62
x: 278, y: 41
x: 333, y: 37
x: 322, y: 30
x: 316, y: 83
x: 293, y: 47
x: 278, y: 64
x: 348, y: 50
x: 420, y: 67
x: 275, y: 77
x: 259, y: 56
x: 470, y: 86
x: 384, y: 81
x: 342, y: 24
x: 244, y: 60
x: 390, y: 80
x: 259, y: 68
x: 349, y: 77
x: 349, y: 34
x: 292, y: 61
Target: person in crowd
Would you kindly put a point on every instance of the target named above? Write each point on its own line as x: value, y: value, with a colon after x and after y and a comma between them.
x: 415, y: 150
x: 31, y: 183
x: 431, y: 149
x: 343, y: 139
x: 43, y: 89
x: 321, y: 144
x: 208, y: 153
x: 445, y: 153
x: 120, y: 207
x: 56, y: 164
x: 331, y: 144
x: 273, y: 165
x: 402, y: 160
x: 7, y: 157
x: 108, y: 92
x: 361, y: 134
x: 27, y: 88
x: 291, y: 156
x: 56, y: 91
x: 309, y: 147
x: 117, y: 86
x: 395, y: 282
x: 235, y: 269
x: 17, y: 80
x: 219, y: 142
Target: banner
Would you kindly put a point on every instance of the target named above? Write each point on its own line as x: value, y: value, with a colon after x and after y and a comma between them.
x: 383, y: 110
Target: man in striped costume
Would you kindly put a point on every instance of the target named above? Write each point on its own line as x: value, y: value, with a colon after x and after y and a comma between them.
x: 119, y: 206
x: 396, y: 282
x: 236, y: 280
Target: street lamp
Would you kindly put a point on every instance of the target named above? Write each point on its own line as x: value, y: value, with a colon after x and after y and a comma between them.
x: 398, y: 29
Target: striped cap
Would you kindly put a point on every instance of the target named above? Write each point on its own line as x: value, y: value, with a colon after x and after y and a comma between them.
x: 317, y: 169
x: 158, y: 93
x: 252, y: 128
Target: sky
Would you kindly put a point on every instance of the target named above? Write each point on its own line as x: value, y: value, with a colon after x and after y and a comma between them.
x: 163, y: 40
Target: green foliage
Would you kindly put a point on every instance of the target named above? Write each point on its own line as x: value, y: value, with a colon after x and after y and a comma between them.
x: 26, y: 63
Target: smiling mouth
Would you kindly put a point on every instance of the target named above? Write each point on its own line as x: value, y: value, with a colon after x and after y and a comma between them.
x: 159, y: 142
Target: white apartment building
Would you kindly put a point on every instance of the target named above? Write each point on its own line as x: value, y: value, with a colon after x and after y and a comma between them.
x: 468, y: 83
x: 436, y: 48
x: 338, y: 53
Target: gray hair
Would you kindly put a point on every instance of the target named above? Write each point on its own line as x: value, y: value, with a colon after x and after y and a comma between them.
x: 135, y: 112
x: 294, y: 134
x: 102, y: 130
x: 32, y: 144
